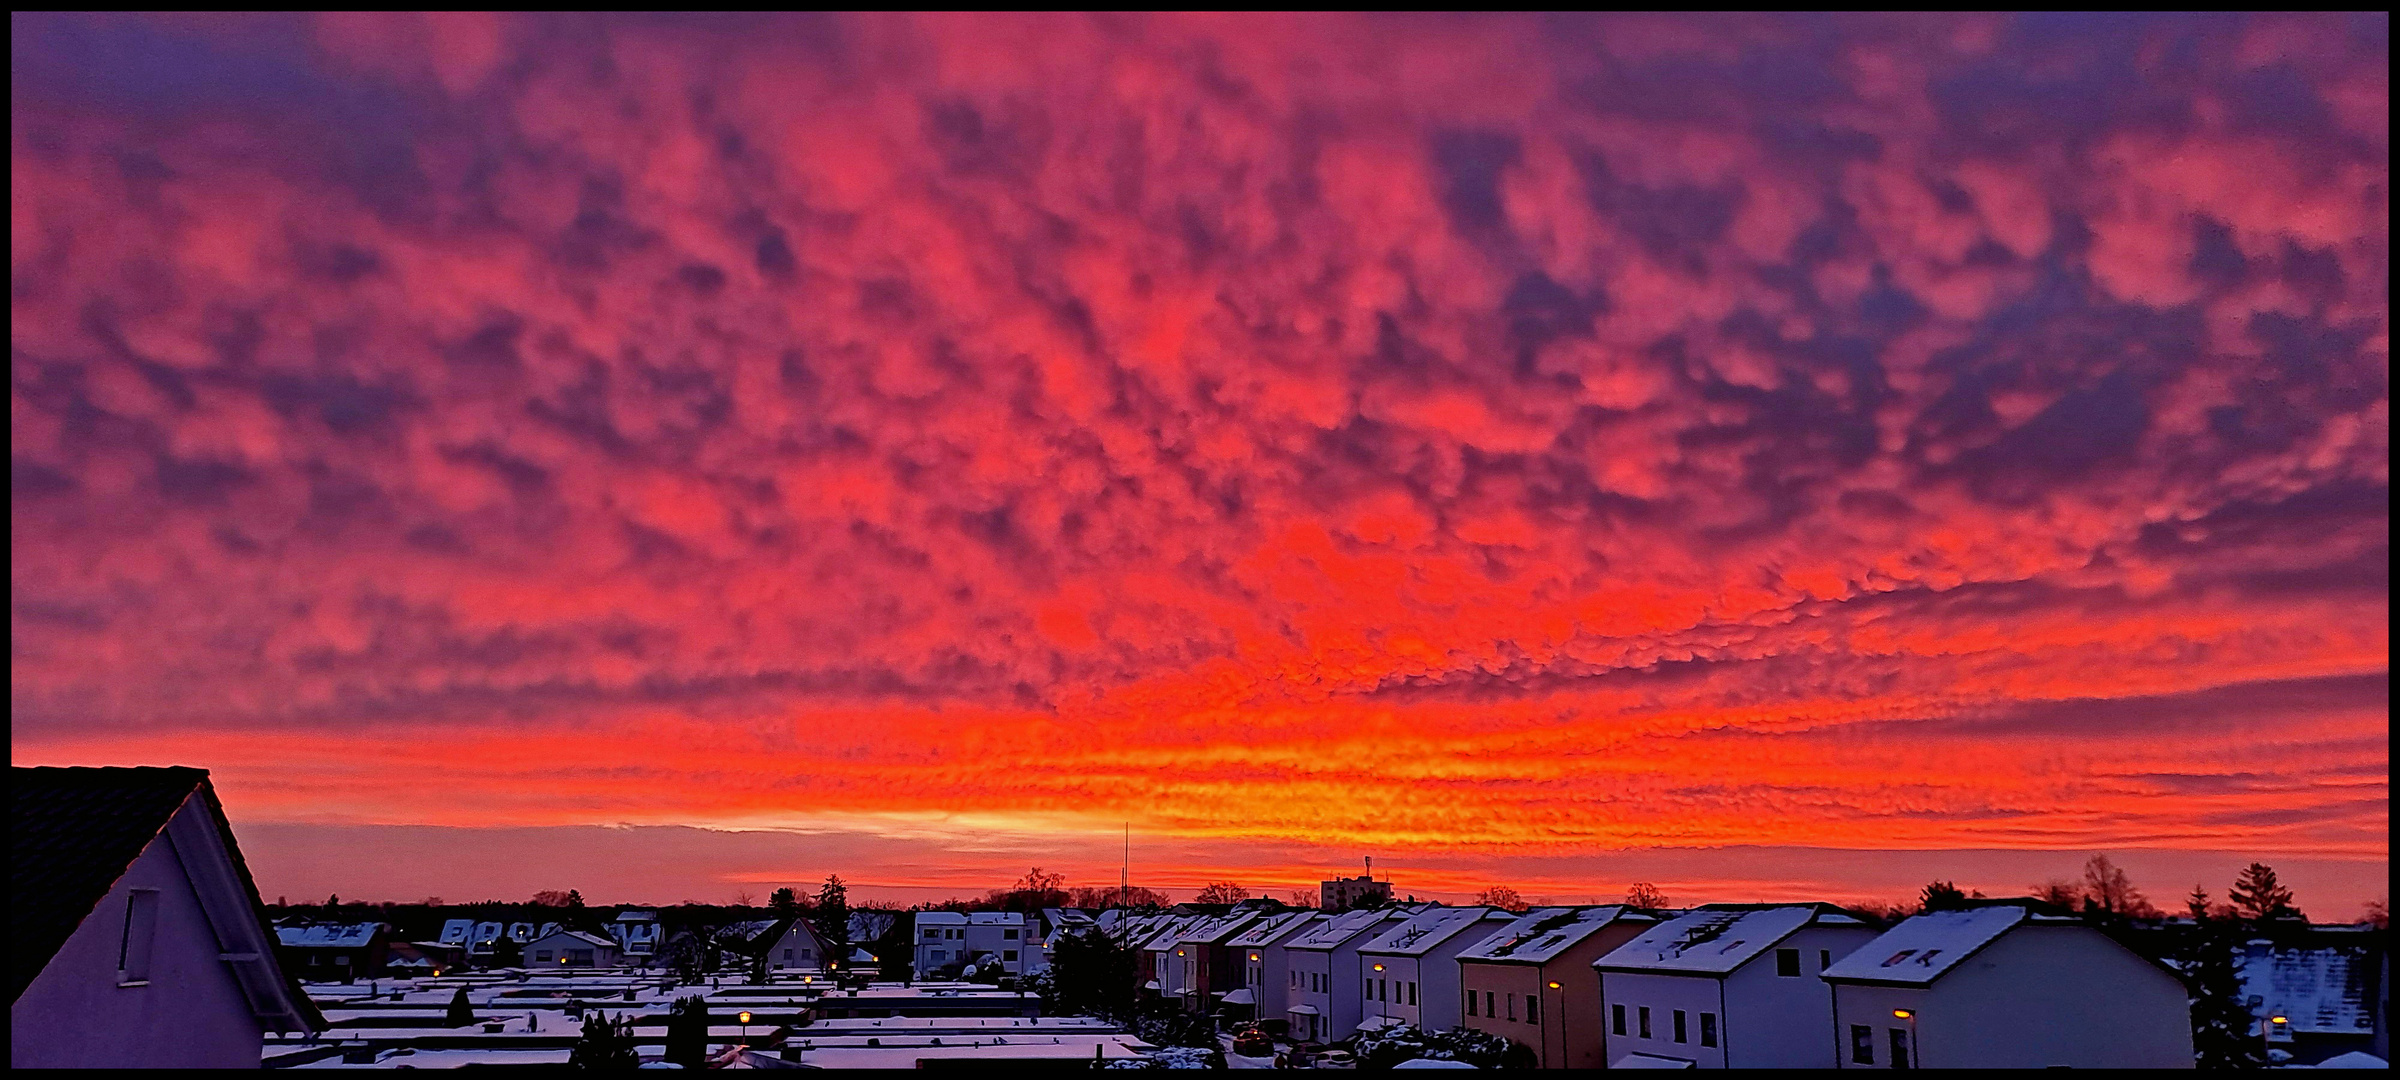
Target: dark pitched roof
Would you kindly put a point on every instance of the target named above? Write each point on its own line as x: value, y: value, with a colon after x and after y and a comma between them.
x: 73, y: 834
x: 75, y: 831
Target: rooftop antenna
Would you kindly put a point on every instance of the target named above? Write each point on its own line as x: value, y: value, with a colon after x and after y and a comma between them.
x: 1125, y: 872
x: 1370, y: 867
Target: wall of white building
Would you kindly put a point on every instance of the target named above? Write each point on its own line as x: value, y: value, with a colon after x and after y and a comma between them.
x: 1785, y: 1022
x: 2040, y: 996
x: 191, y: 1014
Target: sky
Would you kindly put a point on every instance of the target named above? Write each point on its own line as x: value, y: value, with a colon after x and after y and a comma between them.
x: 1771, y: 457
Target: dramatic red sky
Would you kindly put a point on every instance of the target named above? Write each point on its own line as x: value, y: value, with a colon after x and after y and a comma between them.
x: 1767, y: 457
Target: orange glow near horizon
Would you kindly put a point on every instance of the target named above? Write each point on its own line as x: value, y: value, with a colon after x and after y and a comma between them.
x: 1503, y: 440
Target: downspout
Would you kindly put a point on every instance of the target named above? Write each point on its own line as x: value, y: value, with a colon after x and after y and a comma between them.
x: 1724, y: 1025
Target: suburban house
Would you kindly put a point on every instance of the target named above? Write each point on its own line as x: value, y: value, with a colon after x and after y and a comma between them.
x: 797, y: 948
x: 141, y: 940
x: 1000, y: 935
x: 424, y: 958
x: 634, y: 929
x: 1047, y: 928
x: 1324, y: 1000
x: 1205, y: 954
x: 333, y: 952
x: 1159, y: 969
x: 1728, y: 986
x: 570, y: 948
x: 2314, y: 989
x: 1531, y: 982
x: 1260, y: 948
x: 1997, y: 985
x: 941, y: 942
x: 1413, y: 967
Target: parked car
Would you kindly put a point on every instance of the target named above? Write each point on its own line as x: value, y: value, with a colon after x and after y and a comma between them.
x: 1334, y: 1059
x: 1253, y: 1042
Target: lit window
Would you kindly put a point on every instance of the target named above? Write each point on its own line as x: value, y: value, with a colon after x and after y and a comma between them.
x: 1679, y: 1032
x: 1787, y: 963
x: 1862, y: 1044
x: 1616, y: 1018
x: 1708, y: 1029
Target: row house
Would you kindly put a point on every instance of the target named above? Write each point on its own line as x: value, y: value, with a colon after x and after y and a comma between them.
x: 1260, y: 948
x: 636, y: 932
x: 2002, y: 986
x: 335, y: 952
x: 1323, y: 998
x: 999, y: 935
x: 1531, y: 982
x: 940, y: 942
x: 570, y: 949
x: 1157, y: 966
x: 1208, y: 968
x: 1411, y: 974
x: 1728, y: 986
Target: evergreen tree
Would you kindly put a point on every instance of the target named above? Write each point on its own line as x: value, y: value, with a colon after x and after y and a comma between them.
x: 462, y: 1013
x: 784, y: 901
x: 2258, y: 896
x: 832, y: 921
x: 605, y: 1044
x: 687, y: 1032
x: 574, y: 898
x: 2223, y: 1034
x: 1090, y: 974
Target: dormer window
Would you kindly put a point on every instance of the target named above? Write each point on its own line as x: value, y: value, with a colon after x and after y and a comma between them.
x: 1899, y: 956
x: 1927, y: 958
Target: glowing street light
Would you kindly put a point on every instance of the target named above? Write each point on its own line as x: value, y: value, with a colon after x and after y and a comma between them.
x: 744, y: 1016
x: 1909, y: 1015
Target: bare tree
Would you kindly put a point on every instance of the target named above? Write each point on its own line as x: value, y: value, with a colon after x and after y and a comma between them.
x: 2106, y: 887
x: 2064, y: 894
x: 1645, y: 895
x: 1222, y: 892
x: 1502, y: 897
x: 1302, y: 898
x: 2378, y: 914
x: 743, y: 898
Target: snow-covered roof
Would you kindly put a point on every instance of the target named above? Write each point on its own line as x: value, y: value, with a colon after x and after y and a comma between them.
x: 457, y: 931
x: 637, y: 915
x: 1714, y: 940
x: 1420, y: 934
x: 871, y: 925
x: 328, y: 936
x: 577, y: 935
x: 1540, y: 935
x: 1337, y: 930
x: 941, y: 918
x: 1923, y: 947
x: 1266, y: 931
x: 2325, y: 990
x: 1173, y: 929
x: 1215, y: 930
x: 996, y: 918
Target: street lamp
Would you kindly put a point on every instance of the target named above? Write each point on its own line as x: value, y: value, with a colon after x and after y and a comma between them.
x: 2266, y: 1035
x: 744, y: 1017
x: 1910, y: 1015
x: 1382, y: 999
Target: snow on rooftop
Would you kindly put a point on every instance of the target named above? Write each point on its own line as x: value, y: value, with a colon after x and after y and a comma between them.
x: 943, y: 918
x: 1922, y: 947
x: 1420, y: 934
x: 341, y: 936
x: 2322, y: 990
x: 1539, y: 935
x: 1709, y: 941
x: 1265, y: 931
x: 996, y: 918
x: 1339, y: 928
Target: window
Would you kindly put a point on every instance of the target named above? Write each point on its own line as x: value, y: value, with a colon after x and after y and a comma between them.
x: 1383, y: 990
x: 1862, y: 1044
x: 1512, y: 1006
x: 1412, y: 992
x: 141, y: 926
x: 1708, y: 1029
x: 1490, y: 1007
x: 1616, y: 1019
x: 1900, y: 1048
x: 578, y: 956
x: 1824, y: 959
x: 1370, y: 991
x: 1533, y: 1008
x: 1470, y: 1003
x: 1319, y: 979
x: 1898, y: 956
x: 1643, y: 1014
x: 1680, y: 1036
x: 1009, y: 934
x: 1787, y: 963
x: 541, y: 956
x: 938, y: 957
x: 1009, y: 955
x: 932, y: 934
x: 787, y: 956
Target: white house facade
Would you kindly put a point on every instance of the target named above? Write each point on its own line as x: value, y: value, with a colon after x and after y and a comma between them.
x: 2001, y: 987
x: 1729, y: 986
x: 1414, y: 966
x: 940, y: 941
x: 1325, y: 1000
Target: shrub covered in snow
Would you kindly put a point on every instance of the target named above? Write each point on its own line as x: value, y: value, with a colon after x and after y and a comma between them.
x: 1173, y: 1057
x: 1403, y: 1042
